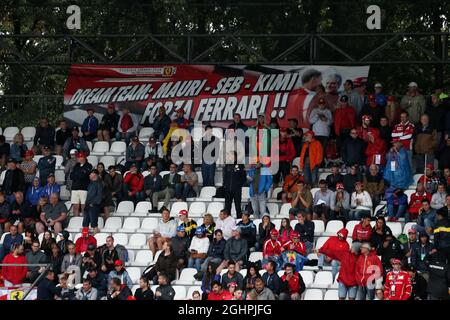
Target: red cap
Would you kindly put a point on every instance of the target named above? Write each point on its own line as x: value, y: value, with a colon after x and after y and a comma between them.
x: 118, y: 262
x: 391, y: 99
x: 372, y: 97
x: 430, y: 166
x: 183, y: 213
x: 295, y: 234
x: 366, y: 117
x: 85, y: 231
x: 274, y: 232
x: 396, y: 261
x: 310, y: 132
x: 340, y: 186
x: 29, y: 153
x: 81, y: 155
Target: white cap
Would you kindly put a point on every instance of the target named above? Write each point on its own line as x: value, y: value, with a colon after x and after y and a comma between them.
x: 412, y: 84
x: 378, y: 85
x: 73, y: 151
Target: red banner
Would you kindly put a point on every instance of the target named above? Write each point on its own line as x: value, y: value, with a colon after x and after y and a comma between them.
x: 207, y: 93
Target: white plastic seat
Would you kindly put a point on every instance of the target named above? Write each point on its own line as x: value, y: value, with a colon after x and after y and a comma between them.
x: 177, y: 207
x: 313, y: 191
x: 296, y: 162
x: 396, y: 228
x: 284, y: 210
x: 101, y: 238
x: 416, y: 179
x: 137, y: 241
x: 134, y: 273
x: 350, y: 226
x: 2, y: 177
x: 10, y: 132
x: 118, y: 148
x: 28, y: 133
x: 100, y: 148
x: 323, y: 280
x: 3, y: 237
x: 313, y: 294
x: 145, y: 133
x: 163, y: 173
x: 207, y: 193
x: 130, y: 225
x: 89, y: 144
x: 255, y: 256
x: 331, y: 295
x: 180, y: 292
x: 60, y: 177
x: 335, y: 284
x: 124, y: 208
x: 75, y: 224
x: 408, y: 193
x: 121, y: 238
x: 320, y: 242
x: 186, y: 277
x: 324, y: 175
x: 197, y: 209
x: 142, y: 208
x: 407, y: 227
x: 134, y: 288
x: 59, y: 161
x: 214, y: 208
x: 36, y: 158
x: 275, y: 192
x: 93, y: 160
x: 148, y: 225
x: 143, y: 258
x: 319, y: 227
x: 78, y: 235
x: 333, y: 227
x: 108, y: 161
x: 277, y: 223
x: 273, y: 209
x: 308, y: 277
x: 112, y: 224
x: 191, y: 291
x: 155, y: 258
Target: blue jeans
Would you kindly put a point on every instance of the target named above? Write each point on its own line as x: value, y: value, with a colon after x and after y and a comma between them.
x: 344, y: 290
x: 427, y: 223
x: 364, y: 291
x: 401, y: 209
x: 311, y: 176
x: 309, y: 246
x: 208, y: 171
x: 334, y: 264
x: 184, y: 190
x: 195, y: 263
x: 91, y: 216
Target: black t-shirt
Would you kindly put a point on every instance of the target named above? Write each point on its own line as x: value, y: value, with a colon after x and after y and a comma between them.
x: 4, y: 150
x: 143, y: 295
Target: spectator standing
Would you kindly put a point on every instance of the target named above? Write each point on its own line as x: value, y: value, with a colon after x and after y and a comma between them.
x: 46, y: 289
x: 334, y: 177
x: 404, y: 133
x: 46, y: 164
x: 45, y: 136
x: 4, y: 151
x: 210, y: 144
x: 425, y: 143
x: 368, y: 271
x: 398, y: 283
x: 108, y: 125
x: 353, y: 149
x: 62, y: 133
x: 344, y: 120
x: 135, y: 154
x: 398, y: 170
x: 168, y: 186
x: 311, y: 157
x: 413, y: 102
x: 90, y: 125
x: 93, y: 201
x: 127, y: 126
x: 234, y: 178
x: 321, y: 118
x: 68, y: 168
x: 161, y: 124
x: 260, y: 181
x: 80, y: 182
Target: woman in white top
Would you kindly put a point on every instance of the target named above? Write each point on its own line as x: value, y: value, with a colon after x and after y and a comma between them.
x: 360, y: 203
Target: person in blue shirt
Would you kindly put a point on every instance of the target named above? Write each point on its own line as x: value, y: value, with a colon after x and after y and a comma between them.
x: 34, y: 193
x: 9, y: 240
x: 380, y: 98
x: 90, y: 126
x: 51, y: 186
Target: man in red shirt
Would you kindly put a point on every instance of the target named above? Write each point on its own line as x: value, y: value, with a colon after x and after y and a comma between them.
x: 14, y: 275
x: 82, y: 242
x: 217, y: 293
x: 416, y: 201
x: 335, y: 243
x: 362, y: 232
x: 368, y: 272
x: 398, y: 283
x: 286, y: 153
x: 344, y: 120
x: 272, y: 246
x: 133, y: 185
x: 403, y: 132
x: 292, y: 284
x: 294, y: 244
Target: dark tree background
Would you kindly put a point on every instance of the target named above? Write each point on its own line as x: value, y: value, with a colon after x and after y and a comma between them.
x: 213, y: 17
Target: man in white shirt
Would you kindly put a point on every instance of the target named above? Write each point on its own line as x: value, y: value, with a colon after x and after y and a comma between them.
x: 226, y: 223
x: 166, y: 229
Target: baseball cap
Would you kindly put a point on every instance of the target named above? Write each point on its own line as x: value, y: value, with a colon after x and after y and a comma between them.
x: 344, y: 98
x: 81, y: 154
x: 29, y: 153
x: 371, y: 97
x: 310, y: 132
x: 183, y: 213
x: 75, y: 129
x: 51, y: 175
x: 366, y: 245
x: 152, y: 139
x: 340, y: 186
x: 274, y: 232
x: 295, y: 234
x: 396, y: 261
x: 411, y: 230
x: 322, y: 101
x: 91, y: 246
x: 181, y: 229
x: 199, y: 231
x: 118, y: 262
x: 412, y: 84
x: 46, y: 148
x: 430, y: 166
x: 133, y: 165
x: 73, y: 151
x: 85, y: 231
x: 378, y: 85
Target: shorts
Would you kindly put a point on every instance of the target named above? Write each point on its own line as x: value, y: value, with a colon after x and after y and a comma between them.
x: 78, y: 197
